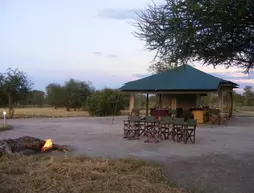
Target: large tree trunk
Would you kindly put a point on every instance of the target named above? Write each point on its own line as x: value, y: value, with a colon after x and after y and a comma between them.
x: 10, y: 105
x: 25, y: 143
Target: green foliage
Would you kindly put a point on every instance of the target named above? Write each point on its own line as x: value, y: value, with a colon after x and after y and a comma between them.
x: 238, y: 98
x: 140, y: 101
x: 210, y: 100
x: 14, y: 86
x: 72, y: 95
x: 3, y: 96
x: 34, y: 98
x: 215, y: 32
x: 107, y: 102
x: 248, y: 96
x: 37, y: 97
x: 56, y: 95
x: 77, y: 92
x: 161, y: 66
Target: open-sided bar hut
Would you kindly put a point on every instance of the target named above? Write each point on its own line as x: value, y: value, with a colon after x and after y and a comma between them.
x: 181, y: 88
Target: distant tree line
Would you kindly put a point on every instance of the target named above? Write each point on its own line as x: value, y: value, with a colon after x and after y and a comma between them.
x: 72, y: 95
x: 14, y: 87
x: 247, y: 98
x: 16, y: 92
x: 244, y: 99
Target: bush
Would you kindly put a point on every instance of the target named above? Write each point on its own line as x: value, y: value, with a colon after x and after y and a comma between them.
x: 106, y: 102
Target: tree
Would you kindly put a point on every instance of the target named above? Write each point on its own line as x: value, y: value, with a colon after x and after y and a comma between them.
x: 248, y: 96
x: 3, y: 98
x: 161, y: 66
x: 37, y: 97
x: 238, y: 98
x: 214, y: 32
x: 56, y: 95
x: 106, y: 102
x: 15, y: 86
x: 77, y: 93
x: 72, y: 95
x: 140, y: 101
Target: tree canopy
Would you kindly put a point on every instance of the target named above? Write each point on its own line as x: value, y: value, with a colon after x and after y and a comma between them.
x: 71, y: 95
x: 214, y: 32
x: 14, y: 86
x: 248, y: 96
x: 107, y: 102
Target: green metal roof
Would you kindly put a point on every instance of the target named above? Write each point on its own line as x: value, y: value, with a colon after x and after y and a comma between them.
x: 183, y: 78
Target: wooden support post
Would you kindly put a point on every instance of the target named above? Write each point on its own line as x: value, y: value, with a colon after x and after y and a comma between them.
x: 231, y: 103
x: 198, y: 99
x: 131, y: 102
x: 174, y: 105
x: 220, y: 100
x: 147, y: 104
x: 160, y: 100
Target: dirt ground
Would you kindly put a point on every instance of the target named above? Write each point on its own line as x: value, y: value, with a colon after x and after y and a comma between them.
x: 222, y: 160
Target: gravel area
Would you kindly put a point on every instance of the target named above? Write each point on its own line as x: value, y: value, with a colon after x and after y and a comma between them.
x: 222, y: 160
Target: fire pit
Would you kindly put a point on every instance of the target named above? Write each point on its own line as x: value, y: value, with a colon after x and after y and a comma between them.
x: 23, y: 144
x: 48, y: 145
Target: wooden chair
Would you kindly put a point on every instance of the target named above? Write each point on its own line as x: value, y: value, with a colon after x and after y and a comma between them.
x: 151, y: 129
x: 214, y: 117
x: 134, y: 112
x: 224, y: 118
x: 164, y: 127
x: 178, y: 129
x: 172, y: 113
x: 132, y: 127
x: 190, y: 131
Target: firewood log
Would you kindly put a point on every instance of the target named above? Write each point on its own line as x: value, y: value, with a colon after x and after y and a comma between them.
x: 25, y: 143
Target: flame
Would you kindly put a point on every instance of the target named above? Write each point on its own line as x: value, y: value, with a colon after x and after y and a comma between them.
x: 48, y: 145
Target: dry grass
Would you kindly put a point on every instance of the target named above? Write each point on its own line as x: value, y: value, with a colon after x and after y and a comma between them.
x: 244, y: 111
x: 46, y: 112
x: 142, y: 112
x: 51, y: 112
x: 61, y: 112
x: 4, y: 127
x: 33, y: 174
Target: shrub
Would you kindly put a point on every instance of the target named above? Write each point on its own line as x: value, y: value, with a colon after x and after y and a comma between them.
x: 106, y: 102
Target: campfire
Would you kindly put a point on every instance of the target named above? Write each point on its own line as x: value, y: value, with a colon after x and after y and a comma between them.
x: 22, y: 144
x: 48, y: 145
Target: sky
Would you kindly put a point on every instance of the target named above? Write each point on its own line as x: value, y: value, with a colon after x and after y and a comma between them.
x: 55, y: 40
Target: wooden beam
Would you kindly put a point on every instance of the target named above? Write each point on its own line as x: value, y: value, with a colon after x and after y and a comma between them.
x: 231, y: 103
x: 131, y: 102
x: 198, y: 99
x: 160, y: 100
x: 220, y: 100
x: 147, y: 104
x: 171, y: 92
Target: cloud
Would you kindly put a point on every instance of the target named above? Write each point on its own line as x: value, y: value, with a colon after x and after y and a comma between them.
x: 112, y: 56
x: 233, y: 76
x: 237, y: 74
x: 140, y: 75
x: 137, y: 76
x: 247, y: 81
x: 239, y: 90
x: 97, y: 53
x: 120, y: 14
